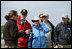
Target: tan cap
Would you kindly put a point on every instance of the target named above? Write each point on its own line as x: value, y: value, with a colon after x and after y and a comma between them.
x: 65, y: 16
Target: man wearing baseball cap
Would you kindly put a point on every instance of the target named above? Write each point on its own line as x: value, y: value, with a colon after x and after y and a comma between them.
x: 25, y: 28
x: 62, y: 34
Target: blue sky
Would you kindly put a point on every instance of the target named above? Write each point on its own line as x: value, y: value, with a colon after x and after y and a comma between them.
x: 55, y: 9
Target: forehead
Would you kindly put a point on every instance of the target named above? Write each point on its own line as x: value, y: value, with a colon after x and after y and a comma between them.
x: 23, y: 15
x: 64, y: 18
x: 10, y: 12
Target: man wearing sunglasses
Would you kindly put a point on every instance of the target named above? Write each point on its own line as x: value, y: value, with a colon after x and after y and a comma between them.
x: 49, y: 35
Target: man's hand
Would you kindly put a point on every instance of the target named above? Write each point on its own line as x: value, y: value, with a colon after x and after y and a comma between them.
x: 28, y: 31
x: 21, y: 31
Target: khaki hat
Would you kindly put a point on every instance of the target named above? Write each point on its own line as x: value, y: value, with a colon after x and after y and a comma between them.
x: 36, y: 18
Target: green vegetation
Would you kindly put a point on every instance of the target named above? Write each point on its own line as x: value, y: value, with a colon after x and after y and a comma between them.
x: 2, y: 29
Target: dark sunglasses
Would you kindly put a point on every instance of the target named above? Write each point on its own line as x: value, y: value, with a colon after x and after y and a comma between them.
x: 35, y: 21
x: 44, y: 16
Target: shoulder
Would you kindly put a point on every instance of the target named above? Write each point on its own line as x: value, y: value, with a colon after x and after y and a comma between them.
x: 28, y: 23
x: 69, y: 23
x: 33, y: 26
x: 19, y: 15
x: 42, y: 23
x: 8, y: 23
x: 50, y: 23
x: 59, y: 24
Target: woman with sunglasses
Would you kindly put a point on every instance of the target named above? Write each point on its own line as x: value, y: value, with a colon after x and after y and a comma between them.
x: 37, y: 36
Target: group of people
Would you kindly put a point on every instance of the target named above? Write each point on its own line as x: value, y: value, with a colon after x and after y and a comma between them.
x: 19, y: 33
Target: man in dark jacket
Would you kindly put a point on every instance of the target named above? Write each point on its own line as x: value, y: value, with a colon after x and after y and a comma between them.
x: 62, y: 34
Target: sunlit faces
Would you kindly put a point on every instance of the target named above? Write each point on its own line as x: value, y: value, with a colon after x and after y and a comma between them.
x: 36, y: 22
x: 23, y: 17
x: 64, y: 20
x: 44, y: 18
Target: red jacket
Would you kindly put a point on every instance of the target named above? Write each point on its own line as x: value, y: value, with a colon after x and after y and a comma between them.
x: 23, y: 42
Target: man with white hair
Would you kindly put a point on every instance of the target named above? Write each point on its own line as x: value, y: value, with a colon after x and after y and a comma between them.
x: 62, y: 34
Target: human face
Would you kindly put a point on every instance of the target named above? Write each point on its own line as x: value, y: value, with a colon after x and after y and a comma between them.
x: 23, y: 17
x: 15, y: 17
x: 44, y: 18
x: 36, y: 22
x: 64, y: 20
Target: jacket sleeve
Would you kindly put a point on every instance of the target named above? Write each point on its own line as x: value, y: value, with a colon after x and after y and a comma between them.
x: 56, y: 34
x: 46, y: 30
x: 30, y: 40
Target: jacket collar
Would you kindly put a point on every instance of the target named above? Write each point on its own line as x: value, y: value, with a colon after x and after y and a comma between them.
x: 37, y: 27
x: 13, y: 20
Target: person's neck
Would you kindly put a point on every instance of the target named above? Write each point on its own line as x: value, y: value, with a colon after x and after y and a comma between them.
x: 45, y: 22
x: 13, y: 19
x: 37, y: 25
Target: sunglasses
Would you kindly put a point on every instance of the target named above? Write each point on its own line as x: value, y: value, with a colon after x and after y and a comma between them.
x: 35, y: 21
x: 44, y: 16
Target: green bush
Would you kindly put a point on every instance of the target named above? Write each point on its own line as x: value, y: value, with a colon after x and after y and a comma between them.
x: 2, y: 29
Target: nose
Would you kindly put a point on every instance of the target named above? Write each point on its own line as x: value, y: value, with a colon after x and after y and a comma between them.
x: 21, y: 18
